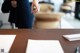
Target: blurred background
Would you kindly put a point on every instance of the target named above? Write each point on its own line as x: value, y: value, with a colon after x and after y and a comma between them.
x: 58, y: 14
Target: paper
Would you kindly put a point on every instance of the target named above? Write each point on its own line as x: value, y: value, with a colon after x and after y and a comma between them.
x: 72, y: 37
x: 6, y: 42
x: 44, y: 46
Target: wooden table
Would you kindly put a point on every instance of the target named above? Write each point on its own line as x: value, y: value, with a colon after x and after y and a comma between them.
x: 22, y: 36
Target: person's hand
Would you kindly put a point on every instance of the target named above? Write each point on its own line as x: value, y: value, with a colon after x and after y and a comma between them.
x: 35, y: 7
x: 14, y: 3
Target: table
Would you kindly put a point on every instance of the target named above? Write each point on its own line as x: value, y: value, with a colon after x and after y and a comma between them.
x: 22, y: 36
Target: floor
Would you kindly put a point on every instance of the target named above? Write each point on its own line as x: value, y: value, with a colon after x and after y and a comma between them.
x: 6, y: 26
x: 67, y: 22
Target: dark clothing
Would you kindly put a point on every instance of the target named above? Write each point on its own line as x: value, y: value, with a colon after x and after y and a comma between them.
x: 12, y: 18
x: 13, y: 15
x: 21, y: 16
x: 77, y: 10
x: 24, y: 15
x: 7, y: 8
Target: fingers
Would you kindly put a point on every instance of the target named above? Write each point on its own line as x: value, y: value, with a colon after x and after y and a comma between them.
x: 34, y: 8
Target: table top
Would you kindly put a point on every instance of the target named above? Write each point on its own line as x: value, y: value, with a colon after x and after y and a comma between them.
x: 22, y: 36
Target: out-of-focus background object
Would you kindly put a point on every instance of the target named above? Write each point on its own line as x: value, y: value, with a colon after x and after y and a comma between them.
x: 69, y: 10
x: 77, y: 11
x: 68, y: 7
x: 45, y: 18
x: 48, y: 20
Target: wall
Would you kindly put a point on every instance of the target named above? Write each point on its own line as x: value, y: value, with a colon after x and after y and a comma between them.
x: 3, y: 17
x: 1, y: 1
x: 57, y: 4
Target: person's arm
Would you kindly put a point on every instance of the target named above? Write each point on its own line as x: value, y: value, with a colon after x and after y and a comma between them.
x: 35, y: 6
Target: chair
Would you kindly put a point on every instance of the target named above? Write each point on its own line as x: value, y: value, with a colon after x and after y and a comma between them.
x: 66, y: 8
x: 46, y: 6
x: 46, y: 18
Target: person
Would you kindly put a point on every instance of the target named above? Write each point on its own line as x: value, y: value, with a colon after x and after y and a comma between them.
x: 24, y: 12
x: 8, y: 7
x: 21, y: 13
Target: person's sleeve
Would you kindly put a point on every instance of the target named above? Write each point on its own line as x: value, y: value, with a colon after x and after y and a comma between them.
x: 5, y: 6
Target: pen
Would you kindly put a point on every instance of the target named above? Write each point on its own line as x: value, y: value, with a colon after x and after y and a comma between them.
x: 77, y: 50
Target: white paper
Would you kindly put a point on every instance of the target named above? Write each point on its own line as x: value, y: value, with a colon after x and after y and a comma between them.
x: 44, y: 46
x: 72, y: 37
x: 6, y: 42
